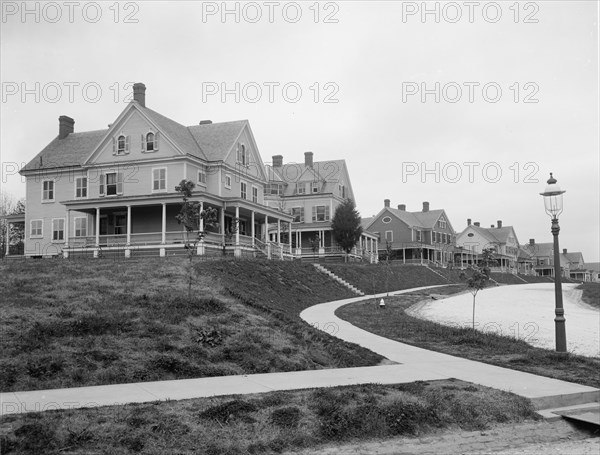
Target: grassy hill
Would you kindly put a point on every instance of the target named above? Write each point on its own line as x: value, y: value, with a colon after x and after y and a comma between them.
x: 68, y: 323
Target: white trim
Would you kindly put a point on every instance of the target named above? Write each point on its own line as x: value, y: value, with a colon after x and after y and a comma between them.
x: 41, y: 235
x: 87, y: 186
x: 159, y: 190
x: 254, y: 187
x: 227, y: 177
x: 47, y: 201
x: 52, y: 239
x: 391, y: 239
x: 85, y: 218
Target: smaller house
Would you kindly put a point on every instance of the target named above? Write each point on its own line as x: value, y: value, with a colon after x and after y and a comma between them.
x: 502, y: 239
x: 423, y: 237
x: 572, y: 264
x: 594, y: 268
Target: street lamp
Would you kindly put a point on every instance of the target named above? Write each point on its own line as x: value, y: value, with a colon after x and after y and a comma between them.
x: 553, y: 202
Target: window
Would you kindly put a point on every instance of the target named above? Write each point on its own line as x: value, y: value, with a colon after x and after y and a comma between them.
x: 275, y: 189
x: 80, y: 227
x: 48, y: 191
x: 442, y: 223
x: 300, y: 188
x: 389, y: 236
x: 35, y: 230
x: 227, y: 181
x: 202, y: 176
x: 242, y: 155
x: 386, y: 219
x: 315, y: 187
x: 320, y: 213
x: 81, y: 187
x: 342, y: 189
x: 298, y: 214
x: 150, y: 142
x: 418, y: 236
x: 159, y: 179
x: 121, y: 145
x: 58, y: 229
x: 254, y: 194
x: 243, y: 190
x: 111, y: 184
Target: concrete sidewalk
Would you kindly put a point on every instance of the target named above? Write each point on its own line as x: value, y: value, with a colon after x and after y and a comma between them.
x: 415, y: 364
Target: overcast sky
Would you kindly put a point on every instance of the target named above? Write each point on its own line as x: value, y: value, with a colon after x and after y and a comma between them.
x: 467, y: 107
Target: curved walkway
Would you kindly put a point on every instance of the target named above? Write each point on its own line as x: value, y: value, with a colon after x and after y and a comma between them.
x: 415, y: 364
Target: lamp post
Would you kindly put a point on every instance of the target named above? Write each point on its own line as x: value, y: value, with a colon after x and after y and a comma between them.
x: 553, y: 202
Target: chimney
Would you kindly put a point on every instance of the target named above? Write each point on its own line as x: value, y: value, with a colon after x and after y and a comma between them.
x: 499, y: 224
x: 308, y: 159
x: 492, y: 226
x: 532, y: 241
x: 277, y: 160
x: 468, y: 221
x: 386, y: 203
x: 402, y: 207
x: 139, y: 93
x: 205, y: 122
x: 564, y: 251
x: 425, y: 206
x: 66, y: 125
x: 477, y: 223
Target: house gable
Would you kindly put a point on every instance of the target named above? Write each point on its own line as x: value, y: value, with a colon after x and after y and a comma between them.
x: 133, y: 126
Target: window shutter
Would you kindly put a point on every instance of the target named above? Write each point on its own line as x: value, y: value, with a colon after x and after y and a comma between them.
x: 119, y: 183
x: 156, y: 141
x: 103, y: 180
x: 326, y: 213
x: 314, y: 213
x: 126, y: 144
x: 143, y: 143
x: 114, y: 140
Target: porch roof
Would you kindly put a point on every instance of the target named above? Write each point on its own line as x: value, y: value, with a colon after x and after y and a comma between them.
x: 174, y: 198
x: 14, y: 218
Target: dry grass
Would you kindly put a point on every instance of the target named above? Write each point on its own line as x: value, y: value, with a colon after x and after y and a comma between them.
x: 266, y: 423
x: 79, y: 323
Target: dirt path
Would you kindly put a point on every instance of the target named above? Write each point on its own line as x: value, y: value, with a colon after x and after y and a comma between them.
x: 532, y: 438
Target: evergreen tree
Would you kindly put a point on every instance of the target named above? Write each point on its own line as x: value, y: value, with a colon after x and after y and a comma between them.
x: 346, y: 226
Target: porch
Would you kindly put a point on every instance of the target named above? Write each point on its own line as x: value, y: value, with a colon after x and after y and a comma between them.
x: 146, y: 227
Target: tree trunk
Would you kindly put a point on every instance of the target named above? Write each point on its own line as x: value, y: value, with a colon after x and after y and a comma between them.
x: 474, y: 295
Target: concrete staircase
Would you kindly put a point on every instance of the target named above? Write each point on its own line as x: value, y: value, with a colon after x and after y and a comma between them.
x: 320, y: 268
x: 583, y: 407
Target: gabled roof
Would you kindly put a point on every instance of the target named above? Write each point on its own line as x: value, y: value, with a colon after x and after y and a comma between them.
x: 494, y: 235
x: 217, y: 139
x: 210, y: 141
x: 574, y: 257
x: 178, y: 133
x: 423, y: 220
x: 328, y: 172
x: 70, y: 151
x: 364, y: 222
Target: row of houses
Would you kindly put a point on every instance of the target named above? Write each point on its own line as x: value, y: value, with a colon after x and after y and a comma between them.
x: 427, y: 237
x: 112, y: 191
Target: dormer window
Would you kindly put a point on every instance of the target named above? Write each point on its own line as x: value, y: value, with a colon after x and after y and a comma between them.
x: 315, y: 187
x: 121, y: 145
x: 150, y: 142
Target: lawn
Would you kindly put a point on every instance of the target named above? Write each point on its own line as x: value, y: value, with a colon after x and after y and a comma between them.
x: 591, y: 293
x: 490, y: 348
x: 266, y: 423
x: 69, y: 323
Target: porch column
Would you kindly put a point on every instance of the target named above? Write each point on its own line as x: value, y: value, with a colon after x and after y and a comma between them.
x: 290, y: 237
x: 7, y: 246
x: 266, y: 229
x: 127, y: 250
x: 222, y: 222
x: 97, y: 232
x: 376, y: 251
x: 200, y: 251
x: 252, y: 230
x: 237, y: 251
x: 67, y: 221
x: 278, y: 231
x: 163, y: 240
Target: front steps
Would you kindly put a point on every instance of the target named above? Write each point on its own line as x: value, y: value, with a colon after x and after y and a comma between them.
x: 320, y: 268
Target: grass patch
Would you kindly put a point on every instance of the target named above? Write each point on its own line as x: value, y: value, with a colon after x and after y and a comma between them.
x: 266, y: 423
x: 78, y: 323
x: 491, y: 348
x: 590, y: 293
